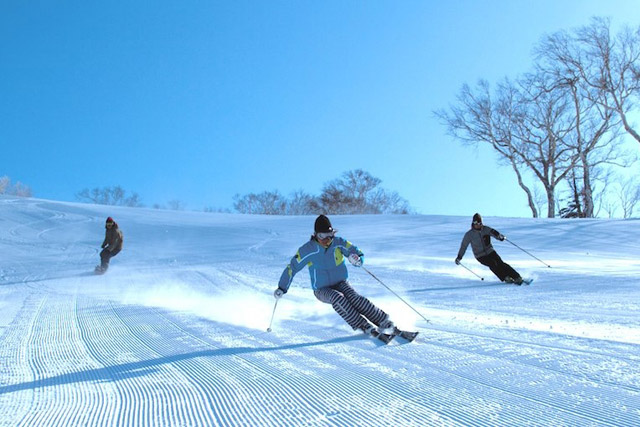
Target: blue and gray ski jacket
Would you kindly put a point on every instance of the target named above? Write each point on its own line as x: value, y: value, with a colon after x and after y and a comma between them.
x: 327, y: 266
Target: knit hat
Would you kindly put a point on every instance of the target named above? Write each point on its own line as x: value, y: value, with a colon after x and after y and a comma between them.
x: 477, y: 218
x: 323, y: 225
x: 109, y: 219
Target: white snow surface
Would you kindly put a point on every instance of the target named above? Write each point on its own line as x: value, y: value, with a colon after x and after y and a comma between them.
x: 175, y: 333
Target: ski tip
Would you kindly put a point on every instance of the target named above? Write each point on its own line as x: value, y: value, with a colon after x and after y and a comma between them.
x: 409, y: 336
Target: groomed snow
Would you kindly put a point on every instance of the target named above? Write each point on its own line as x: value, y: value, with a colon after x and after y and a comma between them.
x: 175, y: 332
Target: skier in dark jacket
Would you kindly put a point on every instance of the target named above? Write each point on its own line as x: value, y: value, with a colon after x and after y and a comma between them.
x: 480, y: 239
x: 111, y: 246
x: 325, y: 255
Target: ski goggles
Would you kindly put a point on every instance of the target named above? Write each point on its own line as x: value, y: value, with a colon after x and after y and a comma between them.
x: 477, y: 222
x: 325, y: 236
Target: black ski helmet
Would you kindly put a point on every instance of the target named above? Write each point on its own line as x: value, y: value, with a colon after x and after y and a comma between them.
x: 477, y: 218
x: 322, y: 225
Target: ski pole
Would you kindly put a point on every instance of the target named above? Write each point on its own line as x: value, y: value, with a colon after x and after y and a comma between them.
x: 473, y: 272
x: 528, y: 253
x: 399, y: 297
x: 272, y: 315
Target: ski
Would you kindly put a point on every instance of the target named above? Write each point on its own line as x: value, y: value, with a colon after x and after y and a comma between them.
x: 510, y: 281
x: 385, y: 338
x: 407, y: 335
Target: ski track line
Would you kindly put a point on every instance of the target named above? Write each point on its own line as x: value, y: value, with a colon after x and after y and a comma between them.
x: 266, y: 370
x: 208, y: 279
x: 253, y: 413
x: 354, y: 376
x: 108, y: 343
x: 226, y: 275
x: 230, y: 390
x: 630, y: 358
x: 537, y: 400
x: 448, y: 363
x: 18, y: 337
x: 14, y: 231
x: 514, y: 413
x: 532, y: 360
x: 101, y: 337
x: 269, y: 370
x: 46, y: 360
x: 239, y: 278
x: 155, y: 388
x: 456, y: 416
x: 581, y: 379
x: 372, y: 383
x: 586, y: 410
x: 61, y: 216
x: 347, y: 375
x: 68, y: 360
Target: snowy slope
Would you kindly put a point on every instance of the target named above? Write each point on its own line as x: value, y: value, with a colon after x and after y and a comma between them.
x: 175, y: 332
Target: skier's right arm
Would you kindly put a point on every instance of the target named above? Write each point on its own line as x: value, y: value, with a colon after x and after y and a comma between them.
x: 463, y: 247
x: 295, y: 265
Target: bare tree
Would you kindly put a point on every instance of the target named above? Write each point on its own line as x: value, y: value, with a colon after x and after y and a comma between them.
x: 302, y: 203
x: 4, y: 184
x: 21, y: 190
x: 349, y: 194
x: 18, y: 189
x: 570, y: 60
x: 608, y: 65
x: 526, y: 125
x: 358, y: 192
x: 615, y: 66
x: 267, y: 203
x: 561, y: 120
x: 629, y: 196
x: 115, y: 196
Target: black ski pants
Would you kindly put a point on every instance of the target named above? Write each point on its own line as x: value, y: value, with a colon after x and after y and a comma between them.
x: 498, y: 266
x: 105, y: 257
x: 355, y: 309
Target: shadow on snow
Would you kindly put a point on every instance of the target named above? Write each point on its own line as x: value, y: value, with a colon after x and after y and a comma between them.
x: 137, y: 369
x: 455, y: 288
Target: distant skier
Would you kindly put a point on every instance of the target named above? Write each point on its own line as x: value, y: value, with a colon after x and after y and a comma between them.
x: 111, y: 246
x: 480, y: 238
x: 325, y: 255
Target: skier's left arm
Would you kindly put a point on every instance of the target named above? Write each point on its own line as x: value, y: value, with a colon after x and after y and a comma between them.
x: 495, y: 233
x: 352, y: 252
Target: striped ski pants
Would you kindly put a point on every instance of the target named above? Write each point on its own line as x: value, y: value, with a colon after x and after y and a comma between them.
x: 351, y: 306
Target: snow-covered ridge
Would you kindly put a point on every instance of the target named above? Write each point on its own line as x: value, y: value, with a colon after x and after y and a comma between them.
x: 174, y: 333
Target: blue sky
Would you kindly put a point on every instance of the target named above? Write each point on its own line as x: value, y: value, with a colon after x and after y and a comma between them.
x: 198, y: 101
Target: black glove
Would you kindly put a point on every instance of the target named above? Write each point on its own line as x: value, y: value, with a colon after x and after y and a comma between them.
x: 502, y: 237
x: 278, y: 293
x: 457, y: 261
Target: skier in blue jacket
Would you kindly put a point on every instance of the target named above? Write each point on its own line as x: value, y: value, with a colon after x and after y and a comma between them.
x: 325, y: 255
